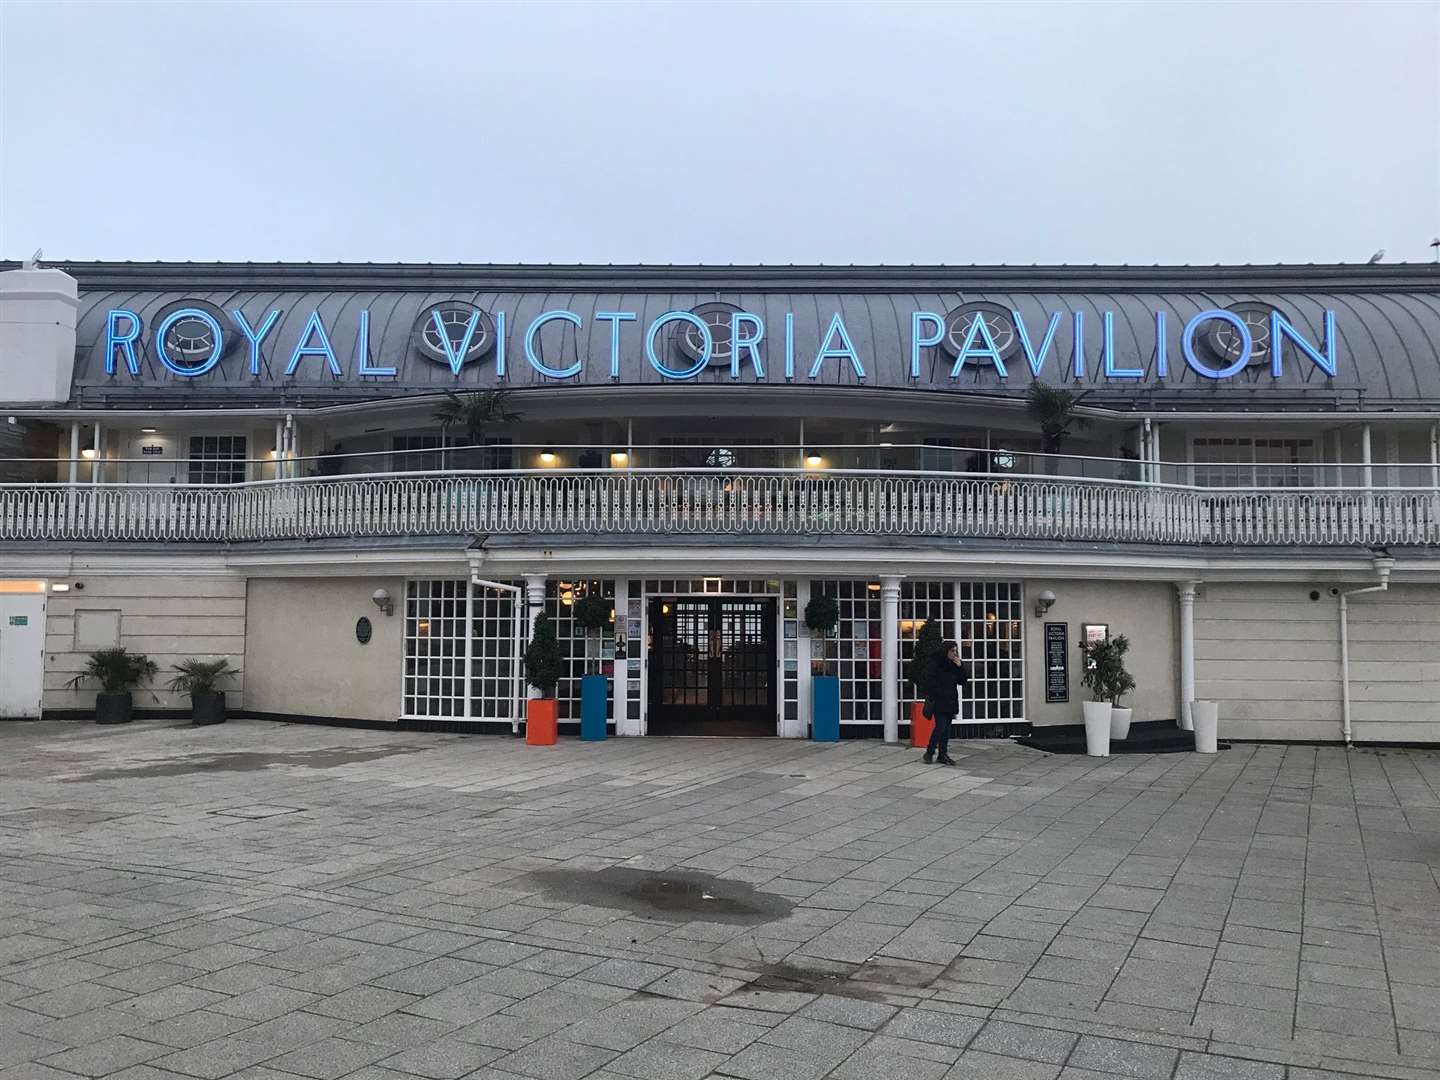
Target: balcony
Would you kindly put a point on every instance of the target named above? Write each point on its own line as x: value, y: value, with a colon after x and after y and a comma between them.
x: 751, y: 503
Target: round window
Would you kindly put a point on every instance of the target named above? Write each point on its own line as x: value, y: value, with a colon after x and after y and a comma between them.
x: 998, y: 321
x: 716, y: 316
x: 453, y: 318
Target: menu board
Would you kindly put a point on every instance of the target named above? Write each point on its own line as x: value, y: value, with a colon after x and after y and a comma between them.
x: 1057, y: 663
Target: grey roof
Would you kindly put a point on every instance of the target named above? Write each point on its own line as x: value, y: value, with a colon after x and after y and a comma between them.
x: 1388, y: 321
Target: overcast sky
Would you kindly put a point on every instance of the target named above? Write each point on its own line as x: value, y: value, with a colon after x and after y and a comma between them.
x: 718, y: 133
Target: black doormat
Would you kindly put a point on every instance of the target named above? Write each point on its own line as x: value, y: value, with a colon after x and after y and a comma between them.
x: 1146, y: 737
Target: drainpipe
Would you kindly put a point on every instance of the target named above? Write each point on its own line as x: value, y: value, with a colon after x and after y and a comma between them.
x: 1145, y: 453
x: 1383, y: 565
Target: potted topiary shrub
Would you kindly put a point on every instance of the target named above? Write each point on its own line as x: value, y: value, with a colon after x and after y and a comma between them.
x: 1121, y: 683
x: 822, y: 615
x: 544, y: 665
x: 1100, y: 661
x: 593, y: 613
x: 118, y: 672
x: 927, y: 647
x: 201, y: 679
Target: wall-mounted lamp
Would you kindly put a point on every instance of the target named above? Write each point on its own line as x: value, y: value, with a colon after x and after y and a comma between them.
x: 148, y: 430
x: 88, y: 453
x: 619, y: 459
x: 381, y: 599
x: 1043, y: 603
x: 60, y: 586
x: 547, y: 457
x: 813, y: 460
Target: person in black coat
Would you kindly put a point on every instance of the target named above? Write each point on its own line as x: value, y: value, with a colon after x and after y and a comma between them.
x: 945, y: 677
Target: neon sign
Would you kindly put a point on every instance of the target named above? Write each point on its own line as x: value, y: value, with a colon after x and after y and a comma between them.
x: 748, y: 344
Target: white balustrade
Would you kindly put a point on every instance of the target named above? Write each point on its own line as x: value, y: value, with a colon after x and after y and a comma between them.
x: 734, y: 503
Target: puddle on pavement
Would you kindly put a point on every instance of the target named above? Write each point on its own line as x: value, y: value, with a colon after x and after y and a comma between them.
x: 243, y: 761
x: 656, y: 894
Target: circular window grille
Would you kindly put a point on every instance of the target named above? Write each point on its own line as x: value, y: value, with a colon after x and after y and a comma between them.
x: 1223, y: 341
x: 715, y: 315
x: 190, y: 341
x: 998, y: 321
x: 455, y: 316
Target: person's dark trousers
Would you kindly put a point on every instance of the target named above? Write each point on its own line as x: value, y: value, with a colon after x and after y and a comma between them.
x: 940, y: 737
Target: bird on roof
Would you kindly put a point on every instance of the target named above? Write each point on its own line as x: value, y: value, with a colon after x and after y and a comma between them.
x: 1376, y: 257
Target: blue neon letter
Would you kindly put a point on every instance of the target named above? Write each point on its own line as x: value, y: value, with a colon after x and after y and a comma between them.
x: 500, y: 344
x: 125, y: 341
x: 1280, y: 330
x: 845, y: 351
x: 455, y: 354
x: 750, y: 344
x: 362, y: 348
x: 789, y: 346
x: 1111, y: 371
x: 693, y: 320
x: 1036, y: 360
x: 303, y: 348
x: 255, y: 337
x: 535, y: 362
x: 615, y: 318
x: 217, y: 336
x: 920, y: 341
x: 969, y: 349
x: 1077, y: 363
x: 1162, y: 358
x: 1187, y: 343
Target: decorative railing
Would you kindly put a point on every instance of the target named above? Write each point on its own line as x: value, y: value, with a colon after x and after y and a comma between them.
x: 755, y: 503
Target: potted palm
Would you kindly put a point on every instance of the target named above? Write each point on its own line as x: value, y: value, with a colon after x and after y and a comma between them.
x: 201, y: 679
x: 544, y: 665
x: 119, y: 672
x: 1100, y: 663
x: 1053, y: 411
x: 822, y: 615
x: 593, y: 613
x: 1121, y: 683
x: 472, y: 414
x: 927, y: 647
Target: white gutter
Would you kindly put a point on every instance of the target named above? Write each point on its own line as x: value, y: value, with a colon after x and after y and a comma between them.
x: 1383, y: 565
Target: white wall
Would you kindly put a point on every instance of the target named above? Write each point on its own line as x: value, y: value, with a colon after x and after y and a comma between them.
x: 167, y: 618
x: 37, y: 335
x: 304, y: 658
x: 1271, y: 657
x: 1144, y: 611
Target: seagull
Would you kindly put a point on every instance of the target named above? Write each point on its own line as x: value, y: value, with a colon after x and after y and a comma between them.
x: 1376, y: 257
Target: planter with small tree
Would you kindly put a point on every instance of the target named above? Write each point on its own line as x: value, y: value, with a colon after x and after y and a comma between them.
x: 822, y: 615
x: 1053, y: 410
x: 544, y: 665
x: 472, y: 414
x: 118, y: 672
x: 927, y: 648
x: 1106, y: 678
x: 201, y: 679
x: 593, y: 612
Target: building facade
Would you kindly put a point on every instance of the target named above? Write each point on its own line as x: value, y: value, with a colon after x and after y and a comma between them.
x: 305, y: 469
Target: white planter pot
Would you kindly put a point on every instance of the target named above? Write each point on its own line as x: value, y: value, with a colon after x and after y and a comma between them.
x: 1097, y: 728
x: 1120, y: 723
x: 1206, y: 715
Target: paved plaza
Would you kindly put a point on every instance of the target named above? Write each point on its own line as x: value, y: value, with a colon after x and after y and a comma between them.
x: 273, y: 902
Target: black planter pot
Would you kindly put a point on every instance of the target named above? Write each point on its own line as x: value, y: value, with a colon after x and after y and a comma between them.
x: 113, y: 708
x: 207, y: 708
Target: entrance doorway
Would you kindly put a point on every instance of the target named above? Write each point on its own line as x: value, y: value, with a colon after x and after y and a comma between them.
x: 712, y: 666
x: 22, y: 645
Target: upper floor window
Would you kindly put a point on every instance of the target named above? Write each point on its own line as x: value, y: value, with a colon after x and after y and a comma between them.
x: 217, y: 459
x: 1250, y: 462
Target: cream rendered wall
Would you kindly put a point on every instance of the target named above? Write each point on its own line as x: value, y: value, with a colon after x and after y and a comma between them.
x: 1271, y: 657
x: 1143, y: 611
x: 302, y: 655
x: 167, y: 618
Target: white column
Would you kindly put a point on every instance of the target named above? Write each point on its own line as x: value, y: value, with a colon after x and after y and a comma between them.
x: 1435, y: 455
x: 535, y: 605
x: 99, y: 448
x: 621, y: 680
x: 279, y: 446
x: 1186, y: 589
x: 74, y: 450
x: 1365, y: 455
x: 890, y: 657
x: 801, y: 463
x: 803, y: 690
